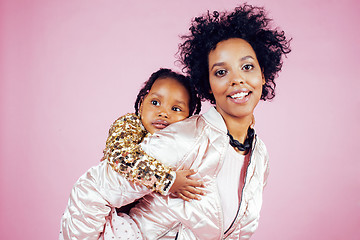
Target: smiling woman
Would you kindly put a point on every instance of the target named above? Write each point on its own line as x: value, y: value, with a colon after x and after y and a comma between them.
x: 236, y: 81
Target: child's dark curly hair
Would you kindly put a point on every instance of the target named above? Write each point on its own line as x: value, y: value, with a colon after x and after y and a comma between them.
x: 195, y: 103
x: 245, y: 22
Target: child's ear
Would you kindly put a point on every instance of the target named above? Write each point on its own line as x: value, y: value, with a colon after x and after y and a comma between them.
x: 140, y: 107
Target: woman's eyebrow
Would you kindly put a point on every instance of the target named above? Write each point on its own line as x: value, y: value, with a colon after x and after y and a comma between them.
x: 246, y: 57
x: 241, y: 59
x: 217, y: 64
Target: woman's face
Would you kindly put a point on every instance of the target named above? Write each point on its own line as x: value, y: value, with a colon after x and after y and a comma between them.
x: 235, y: 78
x: 167, y: 102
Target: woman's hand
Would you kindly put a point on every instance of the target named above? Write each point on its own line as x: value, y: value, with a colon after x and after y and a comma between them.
x: 186, y: 188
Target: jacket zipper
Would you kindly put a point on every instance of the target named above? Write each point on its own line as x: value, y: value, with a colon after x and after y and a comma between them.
x: 169, y: 229
x: 227, y: 233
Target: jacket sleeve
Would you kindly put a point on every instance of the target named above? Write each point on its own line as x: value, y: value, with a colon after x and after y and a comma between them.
x: 91, y: 199
x: 177, y: 145
x: 126, y: 157
x: 267, y: 169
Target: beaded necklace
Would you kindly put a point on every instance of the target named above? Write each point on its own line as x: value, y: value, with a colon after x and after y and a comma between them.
x: 247, y: 143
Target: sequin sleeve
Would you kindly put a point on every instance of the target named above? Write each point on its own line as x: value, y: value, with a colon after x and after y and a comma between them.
x: 126, y: 157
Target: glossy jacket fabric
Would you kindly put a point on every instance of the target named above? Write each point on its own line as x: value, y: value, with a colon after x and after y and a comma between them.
x: 91, y: 199
x: 200, y: 143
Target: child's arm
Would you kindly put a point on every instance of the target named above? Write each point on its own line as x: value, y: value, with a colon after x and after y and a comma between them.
x: 126, y: 157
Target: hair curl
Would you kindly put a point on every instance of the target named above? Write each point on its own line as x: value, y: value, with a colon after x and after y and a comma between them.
x: 195, y: 103
x: 246, y: 22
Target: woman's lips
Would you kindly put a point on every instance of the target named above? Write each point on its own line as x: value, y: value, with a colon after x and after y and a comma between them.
x: 239, y: 96
x: 160, y: 124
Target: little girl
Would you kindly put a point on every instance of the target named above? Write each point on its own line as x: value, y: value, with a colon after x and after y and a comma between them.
x: 151, y: 115
x: 166, y: 98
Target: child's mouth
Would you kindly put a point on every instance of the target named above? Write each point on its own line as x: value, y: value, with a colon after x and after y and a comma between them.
x: 160, y: 124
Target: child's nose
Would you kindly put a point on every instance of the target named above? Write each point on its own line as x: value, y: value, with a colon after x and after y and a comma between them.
x: 163, y: 113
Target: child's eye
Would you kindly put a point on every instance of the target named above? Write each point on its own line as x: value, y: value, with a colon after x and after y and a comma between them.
x: 220, y: 73
x: 176, y: 109
x: 247, y: 67
x: 155, y: 103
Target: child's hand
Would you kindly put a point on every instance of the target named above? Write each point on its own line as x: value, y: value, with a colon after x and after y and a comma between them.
x: 186, y: 188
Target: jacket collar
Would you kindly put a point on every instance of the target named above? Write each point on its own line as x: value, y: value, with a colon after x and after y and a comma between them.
x: 214, y: 118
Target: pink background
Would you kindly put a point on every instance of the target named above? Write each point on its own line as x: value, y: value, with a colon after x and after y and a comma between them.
x: 69, y: 68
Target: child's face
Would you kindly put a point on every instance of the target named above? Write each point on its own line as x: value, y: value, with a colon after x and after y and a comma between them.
x: 167, y: 102
x: 235, y: 78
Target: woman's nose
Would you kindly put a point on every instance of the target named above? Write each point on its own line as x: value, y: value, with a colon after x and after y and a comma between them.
x: 236, y: 78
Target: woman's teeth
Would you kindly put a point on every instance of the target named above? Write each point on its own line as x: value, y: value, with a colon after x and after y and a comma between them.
x: 239, y: 95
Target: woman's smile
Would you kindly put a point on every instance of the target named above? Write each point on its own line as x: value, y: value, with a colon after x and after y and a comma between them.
x: 235, y: 78
x: 240, y: 96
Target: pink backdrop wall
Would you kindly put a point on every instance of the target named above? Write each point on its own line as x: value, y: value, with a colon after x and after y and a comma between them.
x: 69, y: 68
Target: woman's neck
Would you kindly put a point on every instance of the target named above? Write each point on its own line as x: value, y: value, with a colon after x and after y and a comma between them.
x: 238, y: 127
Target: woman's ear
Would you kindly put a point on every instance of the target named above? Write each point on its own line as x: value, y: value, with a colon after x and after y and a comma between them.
x: 263, y: 78
x: 252, y: 125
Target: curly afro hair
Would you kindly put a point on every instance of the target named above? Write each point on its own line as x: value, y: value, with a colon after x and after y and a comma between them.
x: 195, y: 103
x: 246, y: 22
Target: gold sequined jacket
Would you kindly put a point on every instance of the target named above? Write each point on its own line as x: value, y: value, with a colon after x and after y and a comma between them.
x: 123, y: 150
x: 200, y: 143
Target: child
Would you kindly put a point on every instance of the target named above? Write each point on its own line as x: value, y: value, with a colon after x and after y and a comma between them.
x: 123, y: 144
x: 167, y: 97
x: 233, y: 59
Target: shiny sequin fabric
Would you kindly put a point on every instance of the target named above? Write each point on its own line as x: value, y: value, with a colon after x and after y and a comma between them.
x: 126, y: 157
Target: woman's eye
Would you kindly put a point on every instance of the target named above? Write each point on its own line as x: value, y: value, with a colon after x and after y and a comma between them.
x: 247, y: 67
x: 155, y: 103
x: 220, y: 73
x: 176, y: 109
